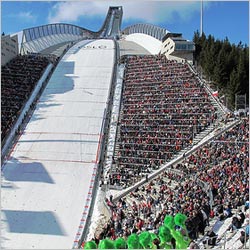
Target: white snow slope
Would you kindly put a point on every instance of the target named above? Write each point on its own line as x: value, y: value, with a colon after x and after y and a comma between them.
x: 46, y: 180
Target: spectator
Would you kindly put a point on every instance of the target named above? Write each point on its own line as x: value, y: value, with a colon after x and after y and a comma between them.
x: 227, y: 212
x: 236, y: 224
x: 193, y: 245
x: 211, y: 240
x: 247, y: 228
x: 243, y: 237
x: 111, y: 198
x: 241, y: 217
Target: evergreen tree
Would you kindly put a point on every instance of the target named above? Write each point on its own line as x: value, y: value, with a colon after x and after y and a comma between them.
x: 220, y: 70
x: 199, y: 44
x: 210, y: 56
x: 232, y: 88
x: 243, y: 72
x: 224, y: 63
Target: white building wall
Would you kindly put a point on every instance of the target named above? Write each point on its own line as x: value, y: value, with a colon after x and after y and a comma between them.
x: 168, y: 49
x: 168, y: 46
x: 150, y: 43
x: 9, y: 48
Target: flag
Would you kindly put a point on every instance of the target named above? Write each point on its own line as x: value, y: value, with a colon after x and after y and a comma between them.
x: 215, y: 93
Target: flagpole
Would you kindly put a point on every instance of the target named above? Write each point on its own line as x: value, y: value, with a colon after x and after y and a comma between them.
x: 201, y: 28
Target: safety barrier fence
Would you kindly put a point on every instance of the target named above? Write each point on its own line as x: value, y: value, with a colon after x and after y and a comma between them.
x: 112, y: 136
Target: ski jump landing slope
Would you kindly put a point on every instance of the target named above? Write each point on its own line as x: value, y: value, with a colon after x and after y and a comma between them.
x: 46, y: 180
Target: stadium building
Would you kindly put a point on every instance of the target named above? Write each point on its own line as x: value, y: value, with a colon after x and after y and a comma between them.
x: 105, y: 133
x: 175, y: 47
x: 9, y: 48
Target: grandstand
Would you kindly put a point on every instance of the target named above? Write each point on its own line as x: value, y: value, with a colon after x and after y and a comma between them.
x: 106, y: 136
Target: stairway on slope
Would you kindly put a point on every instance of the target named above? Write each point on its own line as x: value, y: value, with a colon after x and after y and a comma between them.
x: 118, y: 134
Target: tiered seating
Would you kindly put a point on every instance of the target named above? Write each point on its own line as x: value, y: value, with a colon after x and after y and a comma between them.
x: 19, y: 77
x: 223, y: 164
x: 163, y: 108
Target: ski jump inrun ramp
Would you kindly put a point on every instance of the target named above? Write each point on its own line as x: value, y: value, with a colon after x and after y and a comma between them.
x: 46, y: 180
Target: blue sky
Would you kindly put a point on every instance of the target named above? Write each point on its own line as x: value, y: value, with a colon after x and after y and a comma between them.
x: 221, y: 18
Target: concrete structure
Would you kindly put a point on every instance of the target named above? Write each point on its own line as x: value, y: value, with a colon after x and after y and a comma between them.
x: 175, y: 47
x: 9, y: 48
x: 46, y: 180
x: 112, y: 24
x: 149, y: 43
x: 131, y: 48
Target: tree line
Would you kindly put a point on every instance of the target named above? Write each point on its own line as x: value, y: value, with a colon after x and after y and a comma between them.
x: 226, y: 65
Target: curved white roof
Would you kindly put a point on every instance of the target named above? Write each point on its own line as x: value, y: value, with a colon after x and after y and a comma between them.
x: 46, y: 181
x: 150, y: 43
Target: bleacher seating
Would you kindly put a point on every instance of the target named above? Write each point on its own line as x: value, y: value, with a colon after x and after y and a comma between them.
x: 222, y: 163
x: 163, y: 107
x: 19, y: 77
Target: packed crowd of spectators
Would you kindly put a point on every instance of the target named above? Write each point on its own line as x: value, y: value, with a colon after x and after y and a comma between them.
x: 18, y: 78
x: 222, y: 164
x: 163, y: 107
x: 146, y: 207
